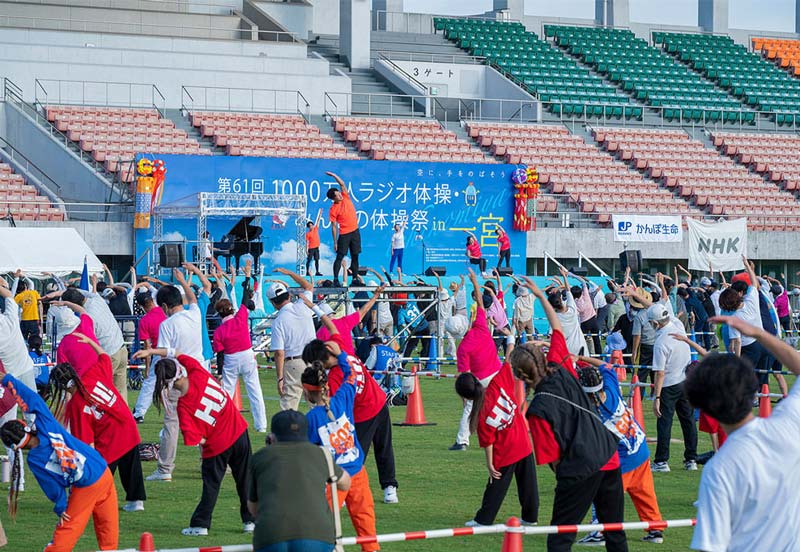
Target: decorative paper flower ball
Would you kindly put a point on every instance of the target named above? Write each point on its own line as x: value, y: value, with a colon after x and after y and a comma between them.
x: 519, y: 176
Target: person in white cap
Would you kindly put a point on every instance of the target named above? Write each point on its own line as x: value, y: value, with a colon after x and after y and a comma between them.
x: 292, y: 330
x: 670, y: 359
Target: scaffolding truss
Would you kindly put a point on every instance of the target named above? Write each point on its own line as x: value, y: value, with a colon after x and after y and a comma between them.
x: 280, y: 208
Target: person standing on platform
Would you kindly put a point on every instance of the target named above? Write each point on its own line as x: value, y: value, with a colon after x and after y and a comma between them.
x: 503, y: 247
x: 474, y: 253
x: 312, y: 244
x: 344, y: 227
x: 292, y: 330
x: 398, y: 245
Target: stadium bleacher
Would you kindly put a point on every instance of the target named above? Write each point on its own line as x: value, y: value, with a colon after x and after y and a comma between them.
x: 114, y: 135
x: 562, y: 84
x: 775, y: 156
x: 700, y: 175
x: 569, y: 166
x: 648, y: 74
x: 406, y: 140
x: 267, y: 135
x: 22, y: 201
x: 747, y: 75
x: 785, y: 53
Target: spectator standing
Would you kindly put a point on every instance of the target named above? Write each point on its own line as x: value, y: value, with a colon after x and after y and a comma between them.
x: 287, y: 483
x: 31, y: 304
x: 738, y: 496
x: 344, y: 227
x: 670, y: 359
x: 292, y: 330
x: 180, y: 332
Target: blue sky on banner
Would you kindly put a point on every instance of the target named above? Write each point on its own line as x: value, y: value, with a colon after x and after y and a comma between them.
x: 438, y: 200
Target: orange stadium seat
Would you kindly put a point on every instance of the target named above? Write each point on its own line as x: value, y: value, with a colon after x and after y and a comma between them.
x: 23, y: 201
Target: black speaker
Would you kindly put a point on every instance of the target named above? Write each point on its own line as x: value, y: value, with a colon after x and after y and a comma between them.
x: 579, y: 270
x: 505, y: 271
x: 170, y: 255
x: 631, y: 258
x: 434, y: 270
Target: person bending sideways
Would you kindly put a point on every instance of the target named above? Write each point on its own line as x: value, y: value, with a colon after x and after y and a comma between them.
x: 756, y: 470
x: 209, y: 419
x: 568, y: 434
x: 287, y: 483
x: 72, y: 474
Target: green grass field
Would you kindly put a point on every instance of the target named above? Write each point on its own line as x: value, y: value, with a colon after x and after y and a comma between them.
x: 438, y: 489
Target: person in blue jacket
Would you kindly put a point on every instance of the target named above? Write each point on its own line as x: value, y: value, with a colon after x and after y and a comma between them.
x: 71, y: 473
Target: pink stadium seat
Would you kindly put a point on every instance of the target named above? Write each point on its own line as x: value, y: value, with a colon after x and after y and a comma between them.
x: 23, y: 200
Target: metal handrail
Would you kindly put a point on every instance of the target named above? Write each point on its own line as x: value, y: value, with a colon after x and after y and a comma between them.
x: 31, y: 167
x: 403, y: 73
x: 373, y: 98
x: 174, y: 31
x: 64, y: 95
x: 205, y: 98
x: 183, y: 6
x: 434, y: 58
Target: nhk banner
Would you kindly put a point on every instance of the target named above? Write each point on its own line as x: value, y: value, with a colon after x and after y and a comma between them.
x: 719, y: 245
x: 644, y: 228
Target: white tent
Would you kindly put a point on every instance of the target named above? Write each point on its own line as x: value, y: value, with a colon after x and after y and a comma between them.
x: 39, y: 250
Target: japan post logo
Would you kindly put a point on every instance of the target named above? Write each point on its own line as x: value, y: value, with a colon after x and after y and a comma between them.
x: 624, y: 226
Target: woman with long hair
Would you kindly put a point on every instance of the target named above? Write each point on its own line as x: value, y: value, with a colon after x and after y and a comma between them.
x: 331, y: 423
x: 235, y: 355
x: 569, y: 436
x: 71, y: 473
x: 97, y: 414
x: 503, y: 434
x: 209, y: 419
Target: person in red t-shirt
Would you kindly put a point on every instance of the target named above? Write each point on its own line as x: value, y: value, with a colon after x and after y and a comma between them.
x: 96, y: 413
x: 209, y: 419
x: 345, y: 324
x: 371, y: 413
x: 474, y: 252
x: 503, y: 246
x: 312, y: 244
x: 570, y: 437
x: 503, y: 435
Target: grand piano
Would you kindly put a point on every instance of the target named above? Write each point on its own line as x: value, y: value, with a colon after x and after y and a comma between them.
x: 243, y: 238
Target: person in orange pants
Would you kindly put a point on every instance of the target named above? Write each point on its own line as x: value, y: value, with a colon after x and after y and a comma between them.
x: 600, y: 383
x: 62, y: 463
x: 331, y: 425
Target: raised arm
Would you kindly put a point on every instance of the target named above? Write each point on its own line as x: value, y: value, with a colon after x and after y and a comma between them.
x: 783, y: 353
x: 204, y: 281
x: 324, y: 318
x: 299, y: 280
x: 73, y: 306
x: 552, y: 317
x: 688, y: 275
x: 187, y: 289
x: 375, y: 272
x: 362, y: 312
x: 108, y: 274
x: 680, y: 337
x: 748, y: 266
x: 477, y: 287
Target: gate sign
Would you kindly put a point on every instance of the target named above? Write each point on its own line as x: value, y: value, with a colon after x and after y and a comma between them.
x: 439, y: 202
x: 719, y: 246
x: 645, y: 228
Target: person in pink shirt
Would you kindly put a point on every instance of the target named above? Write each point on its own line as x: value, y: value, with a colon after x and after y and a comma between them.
x: 503, y: 247
x: 781, y: 299
x: 477, y: 354
x: 474, y: 253
x: 235, y: 356
x: 72, y: 350
x: 149, y: 325
x: 345, y: 324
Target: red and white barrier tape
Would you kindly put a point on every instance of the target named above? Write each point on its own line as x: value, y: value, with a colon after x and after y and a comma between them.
x: 464, y: 532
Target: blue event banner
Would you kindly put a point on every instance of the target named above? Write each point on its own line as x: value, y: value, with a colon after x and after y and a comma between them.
x: 439, y: 202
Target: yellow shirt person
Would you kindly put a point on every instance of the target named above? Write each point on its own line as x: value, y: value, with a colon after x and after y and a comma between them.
x: 28, y: 301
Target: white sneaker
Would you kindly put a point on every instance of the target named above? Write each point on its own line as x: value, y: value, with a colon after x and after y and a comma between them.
x: 524, y: 523
x: 194, y: 532
x: 390, y: 495
x: 134, y: 506
x: 661, y: 467
x: 473, y: 523
x: 690, y: 465
x: 248, y: 527
x: 159, y: 476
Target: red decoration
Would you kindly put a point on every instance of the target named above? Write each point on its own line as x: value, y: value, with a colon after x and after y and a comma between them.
x: 523, y: 192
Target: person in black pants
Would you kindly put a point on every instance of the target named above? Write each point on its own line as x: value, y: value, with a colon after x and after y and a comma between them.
x: 344, y: 227
x: 584, y: 455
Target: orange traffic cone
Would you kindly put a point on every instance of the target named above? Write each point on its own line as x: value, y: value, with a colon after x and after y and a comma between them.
x: 237, y: 398
x: 512, y: 541
x: 764, y: 404
x: 636, y: 401
x: 619, y: 364
x: 146, y: 543
x: 415, y: 411
x: 520, y: 394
